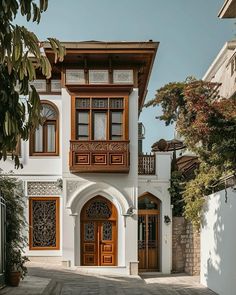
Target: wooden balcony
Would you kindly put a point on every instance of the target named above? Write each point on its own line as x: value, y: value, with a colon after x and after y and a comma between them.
x: 146, y: 165
x: 99, y: 156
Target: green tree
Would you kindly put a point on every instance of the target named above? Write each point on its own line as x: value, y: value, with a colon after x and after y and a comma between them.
x: 207, y: 123
x: 21, y: 56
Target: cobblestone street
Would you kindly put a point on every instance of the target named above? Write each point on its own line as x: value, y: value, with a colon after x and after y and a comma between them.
x: 58, y: 281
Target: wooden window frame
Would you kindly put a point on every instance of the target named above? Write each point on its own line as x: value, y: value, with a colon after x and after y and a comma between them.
x: 32, y: 135
x: 108, y: 110
x: 57, y: 199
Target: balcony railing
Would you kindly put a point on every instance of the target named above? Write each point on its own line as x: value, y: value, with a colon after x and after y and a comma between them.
x: 99, y: 156
x: 146, y: 165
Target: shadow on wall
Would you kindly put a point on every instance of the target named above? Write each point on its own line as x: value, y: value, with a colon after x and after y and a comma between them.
x: 219, y: 242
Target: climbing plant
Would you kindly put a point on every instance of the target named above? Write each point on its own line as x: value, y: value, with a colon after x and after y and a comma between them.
x: 207, y: 123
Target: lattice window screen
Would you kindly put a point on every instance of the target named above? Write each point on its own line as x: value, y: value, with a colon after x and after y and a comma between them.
x: 44, y: 223
x: 98, y: 77
x: 40, y: 85
x: 123, y: 76
x: 56, y: 85
x: 75, y: 77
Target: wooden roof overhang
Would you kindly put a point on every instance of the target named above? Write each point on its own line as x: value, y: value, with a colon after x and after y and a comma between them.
x: 109, y: 55
x: 228, y: 9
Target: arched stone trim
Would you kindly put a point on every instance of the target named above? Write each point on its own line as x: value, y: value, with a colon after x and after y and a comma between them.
x: 90, y: 190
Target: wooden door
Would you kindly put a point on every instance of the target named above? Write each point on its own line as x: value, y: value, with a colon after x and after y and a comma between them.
x: 148, y: 236
x: 99, y: 233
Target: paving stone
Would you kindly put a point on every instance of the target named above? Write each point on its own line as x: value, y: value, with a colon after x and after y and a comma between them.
x: 61, y: 281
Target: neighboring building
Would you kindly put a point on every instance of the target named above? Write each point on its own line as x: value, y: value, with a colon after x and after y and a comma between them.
x: 228, y: 9
x: 87, y: 205
x: 217, y: 233
x: 223, y: 70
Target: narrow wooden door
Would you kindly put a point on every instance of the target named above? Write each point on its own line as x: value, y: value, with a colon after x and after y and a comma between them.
x: 148, y: 242
x: 99, y: 233
x: 148, y: 233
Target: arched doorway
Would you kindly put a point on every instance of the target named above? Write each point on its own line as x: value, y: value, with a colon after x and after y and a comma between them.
x: 99, y: 233
x: 148, y: 233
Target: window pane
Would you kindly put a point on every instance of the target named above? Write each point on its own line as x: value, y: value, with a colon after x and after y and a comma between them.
x: 116, y: 137
x: 99, y: 126
x: 39, y: 139
x: 116, y: 129
x: 116, y: 117
x: 82, y: 130
x: 51, y: 137
x: 83, y: 117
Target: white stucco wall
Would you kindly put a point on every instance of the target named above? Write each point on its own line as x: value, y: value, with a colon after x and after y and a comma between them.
x: 39, y: 165
x: 158, y: 185
x: 218, y: 243
x: 120, y: 188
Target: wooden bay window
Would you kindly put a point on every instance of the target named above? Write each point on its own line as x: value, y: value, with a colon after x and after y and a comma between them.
x: 100, y: 118
x: 99, y: 134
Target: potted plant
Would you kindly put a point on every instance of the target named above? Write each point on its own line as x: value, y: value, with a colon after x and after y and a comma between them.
x: 16, y: 239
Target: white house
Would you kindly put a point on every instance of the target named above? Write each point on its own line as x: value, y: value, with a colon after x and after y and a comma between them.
x: 109, y: 214
x: 218, y: 240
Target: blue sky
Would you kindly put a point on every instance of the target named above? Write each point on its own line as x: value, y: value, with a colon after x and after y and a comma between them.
x: 189, y: 32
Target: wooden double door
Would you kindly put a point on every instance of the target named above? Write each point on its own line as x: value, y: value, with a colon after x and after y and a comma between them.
x: 148, y: 235
x: 99, y: 233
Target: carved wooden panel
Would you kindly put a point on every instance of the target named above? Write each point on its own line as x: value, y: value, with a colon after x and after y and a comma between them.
x: 107, y: 259
x: 107, y: 248
x: 44, y: 223
x: 116, y: 159
x: 99, y: 156
x: 99, y: 159
x: 89, y: 259
x: 82, y: 159
x: 89, y: 248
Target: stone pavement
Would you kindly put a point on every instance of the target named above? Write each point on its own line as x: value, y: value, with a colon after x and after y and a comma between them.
x: 59, y: 281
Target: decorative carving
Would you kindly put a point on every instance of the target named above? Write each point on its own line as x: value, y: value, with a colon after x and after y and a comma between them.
x: 99, y: 146
x: 44, y: 223
x: 98, y: 209
x: 44, y: 188
x: 107, y: 231
x: 89, y: 232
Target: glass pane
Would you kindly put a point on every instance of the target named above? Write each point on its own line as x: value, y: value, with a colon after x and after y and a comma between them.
x: 147, y: 204
x: 83, y: 130
x: 83, y: 117
x: 99, y: 126
x: 116, y: 117
x: 107, y: 231
x: 39, y: 139
x: 48, y: 112
x: 116, y: 129
x: 116, y: 137
x: 51, y: 138
x: 89, y: 231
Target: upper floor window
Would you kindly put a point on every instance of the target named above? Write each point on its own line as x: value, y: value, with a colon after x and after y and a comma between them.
x: 45, y: 139
x: 100, y: 118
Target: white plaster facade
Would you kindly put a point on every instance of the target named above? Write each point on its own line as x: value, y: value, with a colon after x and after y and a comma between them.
x: 122, y: 190
x: 218, y: 242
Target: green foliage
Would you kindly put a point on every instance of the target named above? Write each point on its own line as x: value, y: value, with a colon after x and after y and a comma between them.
x: 16, y: 239
x: 208, y: 125
x: 177, y: 183
x: 20, y: 57
x: 197, y: 189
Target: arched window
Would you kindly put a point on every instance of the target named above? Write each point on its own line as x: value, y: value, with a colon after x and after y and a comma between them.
x: 45, y: 139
